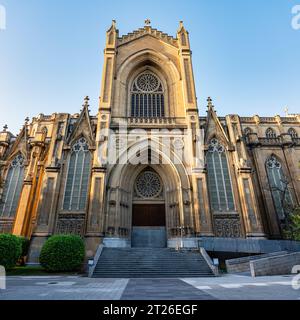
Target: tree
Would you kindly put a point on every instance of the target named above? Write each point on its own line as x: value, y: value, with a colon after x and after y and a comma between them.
x: 290, y: 223
x: 292, y: 231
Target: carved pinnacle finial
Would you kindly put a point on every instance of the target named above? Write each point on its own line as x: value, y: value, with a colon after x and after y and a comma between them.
x: 148, y: 22
x: 86, y: 101
x: 209, y: 102
x: 286, y: 111
x: 5, y: 128
x: 26, y: 120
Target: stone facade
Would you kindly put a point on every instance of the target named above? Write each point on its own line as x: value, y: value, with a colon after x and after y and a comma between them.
x: 236, y: 200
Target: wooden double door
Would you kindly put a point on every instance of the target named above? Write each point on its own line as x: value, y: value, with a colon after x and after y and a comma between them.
x: 148, y: 215
x: 149, y: 225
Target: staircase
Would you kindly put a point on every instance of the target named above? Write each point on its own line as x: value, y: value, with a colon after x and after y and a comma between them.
x: 150, y: 263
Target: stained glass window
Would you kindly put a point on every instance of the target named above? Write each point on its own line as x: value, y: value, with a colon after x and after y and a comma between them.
x: 279, y: 186
x: 147, y: 97
x: 219, y: 181
x: 12, y: 187
x: 76, y: 189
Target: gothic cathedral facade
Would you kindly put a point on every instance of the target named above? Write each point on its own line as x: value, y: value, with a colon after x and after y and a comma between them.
x: 119, y: 177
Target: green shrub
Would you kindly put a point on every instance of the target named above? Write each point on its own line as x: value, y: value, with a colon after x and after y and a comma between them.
x: 10, y: 250
x: 62, y: 253
x: 25, y: 243
x: 292, y: 231
x: 25, y: 246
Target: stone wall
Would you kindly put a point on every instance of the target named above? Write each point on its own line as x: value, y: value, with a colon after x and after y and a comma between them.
x: 278, y: 265
x: 243, y: 264
x: 252, y: 246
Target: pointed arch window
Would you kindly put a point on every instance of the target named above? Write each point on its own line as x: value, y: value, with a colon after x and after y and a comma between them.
x: 76, y: 189
x: 270, y: 133
x: 219, y: 181
x: 12, y: 188
x: 248, y: 131
x: 147, y: 96
x: 293, y: 133
x: 279, y: 187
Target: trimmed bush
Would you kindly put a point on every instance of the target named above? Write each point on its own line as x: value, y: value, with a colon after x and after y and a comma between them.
x: 25, y: 246
x: 62, y: 253
x: 25, y: 243
x: 10, y: 250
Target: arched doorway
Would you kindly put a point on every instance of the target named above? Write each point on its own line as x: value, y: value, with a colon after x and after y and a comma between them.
x: 122, y: 202
x: 148, y: 211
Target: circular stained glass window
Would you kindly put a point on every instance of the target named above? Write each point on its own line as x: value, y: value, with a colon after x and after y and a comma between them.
x: 147, y: 82
x: 148, y: 185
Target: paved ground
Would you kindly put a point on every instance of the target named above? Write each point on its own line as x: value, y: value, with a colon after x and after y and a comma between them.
x: 228, y: 287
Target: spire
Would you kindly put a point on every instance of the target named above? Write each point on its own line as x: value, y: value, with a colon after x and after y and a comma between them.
x: 82, y: 126
x: 112, y: 35
x: 86, y: 104
x: 5, y: 128
x: 181, y: 26
x: 183, y: 36
x: 113, y: 26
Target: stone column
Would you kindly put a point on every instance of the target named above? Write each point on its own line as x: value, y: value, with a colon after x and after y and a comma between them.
x: 203, y: 219
x: 97, y: 209
x: 30, y: 190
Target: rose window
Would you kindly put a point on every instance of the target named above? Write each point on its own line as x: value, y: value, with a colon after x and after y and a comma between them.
x: 148, y: 185
x: 147, y: 82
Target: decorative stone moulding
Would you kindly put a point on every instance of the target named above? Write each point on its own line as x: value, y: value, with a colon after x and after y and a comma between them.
x: 286, y: 139
x: 148, y: 30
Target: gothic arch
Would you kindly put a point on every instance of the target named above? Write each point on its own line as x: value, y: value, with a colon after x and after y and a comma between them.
x: 159, y: 64
x: 179, y: 168
x: 159, y: 75
x: 120, y: 185
x: 80, y: 148
x: 271, y: 133
x: 293, y: 133
x: 279, y: 188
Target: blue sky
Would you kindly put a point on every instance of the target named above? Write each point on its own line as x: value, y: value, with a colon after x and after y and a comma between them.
x: 246, y: 55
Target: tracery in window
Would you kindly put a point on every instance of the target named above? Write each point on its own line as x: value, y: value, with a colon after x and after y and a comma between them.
x: 293, y: 133
x: 148, y: 185
x: 12, y: 187
x: 270, y: 133
x: 147, y: 96
x: 219, y: 182
x: 76, y: 189
x: 279, y: 187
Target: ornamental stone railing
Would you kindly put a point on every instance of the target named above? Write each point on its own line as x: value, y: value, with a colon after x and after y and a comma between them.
x: 146, y: 120
x: 284, y: 139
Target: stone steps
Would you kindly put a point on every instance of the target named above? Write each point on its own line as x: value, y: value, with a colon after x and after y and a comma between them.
x: 150, y: 263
